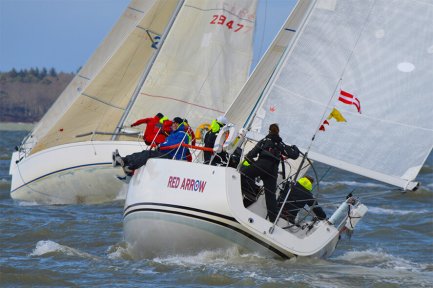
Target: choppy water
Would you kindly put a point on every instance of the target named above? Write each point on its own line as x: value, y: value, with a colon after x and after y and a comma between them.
x: 81, y: 245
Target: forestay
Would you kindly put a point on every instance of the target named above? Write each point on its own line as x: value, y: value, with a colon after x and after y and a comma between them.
x: 359, y: 81
x: 203, y: 62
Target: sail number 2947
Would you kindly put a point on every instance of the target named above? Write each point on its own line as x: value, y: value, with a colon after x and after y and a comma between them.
x: 230, y: 24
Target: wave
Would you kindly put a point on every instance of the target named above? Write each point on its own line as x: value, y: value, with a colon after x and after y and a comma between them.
x: 225, y: 267
x: 381, y: 259
x: 385, y: 211
x: 119, y: 251
x: 353, y: 183
x: 230, y: 255
x: 5, y: 184
x: 122, y: 193
x: 48, y: 247
x: 28, y: 203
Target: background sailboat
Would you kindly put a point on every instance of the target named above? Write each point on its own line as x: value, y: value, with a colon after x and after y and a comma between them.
x: 82, y: 128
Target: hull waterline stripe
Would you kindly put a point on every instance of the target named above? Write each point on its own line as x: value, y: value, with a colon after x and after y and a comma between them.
x: 58, y: 171
x: 180, y: 207
x: 267, y: 246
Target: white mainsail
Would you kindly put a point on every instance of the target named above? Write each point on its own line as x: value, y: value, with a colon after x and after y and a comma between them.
x: 201, y: 66
x: 371, y: 61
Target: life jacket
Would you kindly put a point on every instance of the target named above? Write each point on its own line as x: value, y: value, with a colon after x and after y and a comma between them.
x: 306, y: 183
x: 215, y: 126
x: 190, y: 132
x: 211, y: 135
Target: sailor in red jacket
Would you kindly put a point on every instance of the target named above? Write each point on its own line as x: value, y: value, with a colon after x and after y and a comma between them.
x: 154, y: 132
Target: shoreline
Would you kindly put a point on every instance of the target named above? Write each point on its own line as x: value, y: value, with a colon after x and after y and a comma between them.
x: 16, y: 126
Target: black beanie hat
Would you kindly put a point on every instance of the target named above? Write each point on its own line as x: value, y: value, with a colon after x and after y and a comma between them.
x: 178, y: 120
x: 159, y: 115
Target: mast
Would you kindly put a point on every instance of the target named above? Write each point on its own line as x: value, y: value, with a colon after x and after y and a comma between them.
x: 146, y: 72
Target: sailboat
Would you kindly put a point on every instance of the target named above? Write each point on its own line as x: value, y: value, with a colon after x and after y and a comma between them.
x: 161, y: 56
x: 349, y: 83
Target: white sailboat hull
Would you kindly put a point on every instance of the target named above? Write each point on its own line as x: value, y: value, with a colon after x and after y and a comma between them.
x: 176, y: 207
x: 71, y: 173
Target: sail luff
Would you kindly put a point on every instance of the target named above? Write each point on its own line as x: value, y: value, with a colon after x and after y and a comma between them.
x: 146, y: 71
x: 241, y: 112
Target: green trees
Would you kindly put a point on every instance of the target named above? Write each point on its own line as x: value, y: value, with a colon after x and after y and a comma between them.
x: 31, y: 75
x: 25, y: 95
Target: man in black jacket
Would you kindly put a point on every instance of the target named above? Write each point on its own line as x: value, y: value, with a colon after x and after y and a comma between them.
x: 209, y: 141
x: 269, y: 151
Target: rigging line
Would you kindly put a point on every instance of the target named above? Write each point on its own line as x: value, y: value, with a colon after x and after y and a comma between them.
x: 102, y: 101
x: 108, y: 59
x: 147, y: 69
x: 341, y: 75
x: 135, y: 9
x: 148, y: 31
x: 375, y: 194
x: 182, y: 101
x: 277, y: 68
x: 98, y: 71
x: 122, y: 76
x: 317, y: 177
x: 264, y: 28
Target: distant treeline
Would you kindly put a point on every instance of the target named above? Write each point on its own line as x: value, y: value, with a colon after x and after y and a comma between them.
x: 26, y: 95
x: 30, y: 75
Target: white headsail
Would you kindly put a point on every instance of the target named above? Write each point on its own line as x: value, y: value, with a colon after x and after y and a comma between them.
x: 358, y: 80
x: 96, y: 97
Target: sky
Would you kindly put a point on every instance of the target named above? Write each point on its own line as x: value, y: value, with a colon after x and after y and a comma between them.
x: 63, y: 34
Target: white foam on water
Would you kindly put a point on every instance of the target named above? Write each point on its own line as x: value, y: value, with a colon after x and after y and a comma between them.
x: 380, y: 259
x: 118, y: 252
x: 386, y: 211
x: 28, y: 203
x: 205, y: 257
x: 231, y: 260
x: 354, y: 183
x: 122, y: 193
x: 44, y: 247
